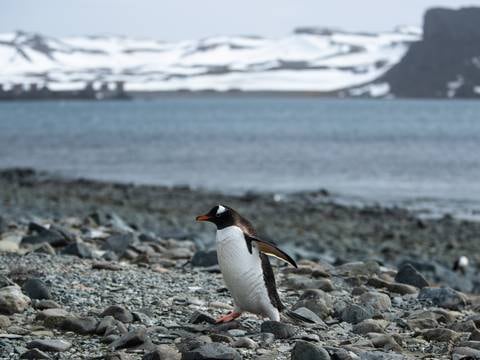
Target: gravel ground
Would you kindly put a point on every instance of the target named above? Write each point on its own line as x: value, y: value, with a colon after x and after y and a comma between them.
x: 94, y: 270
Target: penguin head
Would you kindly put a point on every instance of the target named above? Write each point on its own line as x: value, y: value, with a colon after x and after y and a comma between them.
x: 220, y: 215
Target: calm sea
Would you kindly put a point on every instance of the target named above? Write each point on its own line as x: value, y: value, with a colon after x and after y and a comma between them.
x: 412, y: 152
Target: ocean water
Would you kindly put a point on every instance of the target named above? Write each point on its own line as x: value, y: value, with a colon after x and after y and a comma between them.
x: 411, y: 152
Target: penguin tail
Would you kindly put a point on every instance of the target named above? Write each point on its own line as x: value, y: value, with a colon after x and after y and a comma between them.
x: 297, y: 317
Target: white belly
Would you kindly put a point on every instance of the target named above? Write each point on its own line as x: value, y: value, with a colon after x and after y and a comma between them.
x: 242, y: 273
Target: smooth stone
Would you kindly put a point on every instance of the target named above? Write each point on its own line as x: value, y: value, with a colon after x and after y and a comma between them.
x: 316, y: 301
x: 376, y: 300
x: 41, y: 333
x: 464, y: 326
x: 440, y: 334
x: 163, y: 352
x: 118, y: 243
x: 278, y: 329
x: 410, y: 276
x: 245, y: 342
x: 367, y: 268
x: 424, y: 319
x: 307, y: 337
x: 44, y: 248
x: 131, y: 339
x: 317, y: 273
x: 385, y: 342
x: 78, y: 249
x: 465, y: 353
x: 52, y: 317
x: 10, y: 243
x: 34, y: 354
x: 106, y: 265
x: 10, y: 336
x: 444, y: 297
x: 36, y: 289
x: 83, y: 326
x: 204, y: 258
x: 54, y: 236
x: 12, y: 300
x: 308, y: 314
x: 402, y: 289
x: 226, y: 326
x: 50, y: 345
x: 106, y: 323
x: 45, y: 304
x: 354, y: 314
x: 297, y: 282
x: 304, y: 350
x: 199, y: 317
x: 212, y: 351
x: 118, y: 312
x: 368, y: 326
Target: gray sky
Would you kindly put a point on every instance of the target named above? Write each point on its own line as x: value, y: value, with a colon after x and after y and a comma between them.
x: 191, y: 19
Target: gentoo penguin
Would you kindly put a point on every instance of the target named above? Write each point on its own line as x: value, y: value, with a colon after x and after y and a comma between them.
x: 461, y: 264
x: 245, y: 266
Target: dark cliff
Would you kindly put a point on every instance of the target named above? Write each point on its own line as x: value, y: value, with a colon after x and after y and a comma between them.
x: 446, y: 63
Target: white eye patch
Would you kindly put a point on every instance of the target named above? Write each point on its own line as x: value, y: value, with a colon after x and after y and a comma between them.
x: 221, y: 210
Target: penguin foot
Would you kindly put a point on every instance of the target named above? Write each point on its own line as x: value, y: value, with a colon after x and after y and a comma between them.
x: 229, y: 317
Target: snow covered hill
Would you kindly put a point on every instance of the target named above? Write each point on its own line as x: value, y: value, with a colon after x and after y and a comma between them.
x: 309, y: 60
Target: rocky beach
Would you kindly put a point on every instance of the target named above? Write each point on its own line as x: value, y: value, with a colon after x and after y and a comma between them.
x: 98, y: 270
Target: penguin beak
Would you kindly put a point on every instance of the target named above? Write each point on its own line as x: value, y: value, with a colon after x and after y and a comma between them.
x: 202, y: 218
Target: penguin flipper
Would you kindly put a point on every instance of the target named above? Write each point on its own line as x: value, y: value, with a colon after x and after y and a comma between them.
x: 269, y: 248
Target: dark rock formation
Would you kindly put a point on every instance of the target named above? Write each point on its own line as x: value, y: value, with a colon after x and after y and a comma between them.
x: 446, y: 63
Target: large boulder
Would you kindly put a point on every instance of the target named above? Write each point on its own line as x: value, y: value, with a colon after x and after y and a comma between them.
x: 12, y: 300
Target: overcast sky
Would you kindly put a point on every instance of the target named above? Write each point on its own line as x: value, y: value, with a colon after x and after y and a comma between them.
x: 188, y: 19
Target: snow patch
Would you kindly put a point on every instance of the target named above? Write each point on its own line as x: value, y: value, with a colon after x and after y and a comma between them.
x: 323, y: 61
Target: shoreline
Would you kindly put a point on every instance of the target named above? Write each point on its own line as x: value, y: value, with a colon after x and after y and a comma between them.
x: 160, y: 95
x: 314, y: 222
x: 424, y: 206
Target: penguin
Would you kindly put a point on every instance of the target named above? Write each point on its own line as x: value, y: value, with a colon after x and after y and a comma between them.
x: 245, y: 266
x: 461, y: 264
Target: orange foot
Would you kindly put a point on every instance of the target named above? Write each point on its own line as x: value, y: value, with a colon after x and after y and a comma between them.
x: 229, y: 317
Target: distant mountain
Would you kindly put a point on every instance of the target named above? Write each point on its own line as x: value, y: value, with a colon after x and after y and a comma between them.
x: 309, y: 60
x: 446, y: 63
x: 443, y: 63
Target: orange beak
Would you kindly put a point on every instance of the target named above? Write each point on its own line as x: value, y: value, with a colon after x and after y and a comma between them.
x: 202, y: 218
